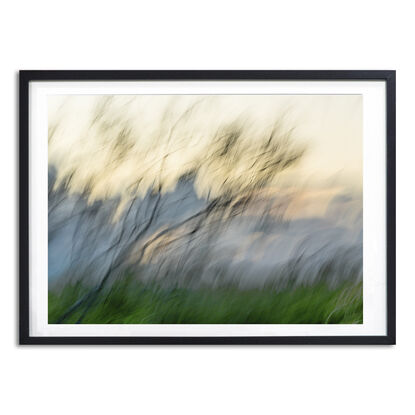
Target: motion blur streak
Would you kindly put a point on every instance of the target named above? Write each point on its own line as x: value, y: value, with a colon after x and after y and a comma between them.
x: 205, y: 209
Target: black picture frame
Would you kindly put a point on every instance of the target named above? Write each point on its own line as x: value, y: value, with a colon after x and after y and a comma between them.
x: 27, y: 76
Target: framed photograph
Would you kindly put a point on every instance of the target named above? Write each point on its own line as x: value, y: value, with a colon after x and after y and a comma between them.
x: 207, y: 207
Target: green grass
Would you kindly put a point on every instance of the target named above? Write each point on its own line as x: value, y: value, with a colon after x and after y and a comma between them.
x: 130, y: 302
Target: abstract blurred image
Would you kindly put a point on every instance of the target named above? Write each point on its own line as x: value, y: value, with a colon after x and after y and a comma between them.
x: 205, y: 209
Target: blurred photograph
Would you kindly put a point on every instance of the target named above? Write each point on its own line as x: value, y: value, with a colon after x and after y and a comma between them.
x: 205, y: 209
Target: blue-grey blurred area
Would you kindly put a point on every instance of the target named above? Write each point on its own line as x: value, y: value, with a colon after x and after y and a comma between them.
x: 251, y: 247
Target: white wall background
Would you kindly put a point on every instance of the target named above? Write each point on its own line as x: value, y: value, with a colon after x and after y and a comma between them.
x: 206, y: 35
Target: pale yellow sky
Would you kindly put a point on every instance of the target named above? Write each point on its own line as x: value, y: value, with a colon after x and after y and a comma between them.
x: 330, y: 127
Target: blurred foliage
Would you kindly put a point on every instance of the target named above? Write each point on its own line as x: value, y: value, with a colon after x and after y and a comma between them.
x: 131, y: 302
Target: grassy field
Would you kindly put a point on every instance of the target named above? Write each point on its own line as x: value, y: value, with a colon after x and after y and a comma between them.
x: 129, y: 302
